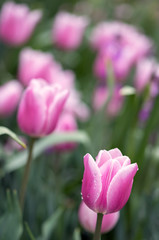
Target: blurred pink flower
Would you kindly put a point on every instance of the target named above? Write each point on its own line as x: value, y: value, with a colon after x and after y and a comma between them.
x: 36, y: 64
x: 17, y: 23
x: 107, y: 182
x: 68, y: 29
x: 147, y: 73
x: 40, y: 107
x: 106, y: 33
x: 100, y: 96
x: 10, y: 94
x: 88, y: 219
x: 66, y: 123
x: 122, y: 60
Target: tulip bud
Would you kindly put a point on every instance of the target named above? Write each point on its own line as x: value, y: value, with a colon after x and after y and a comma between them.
x: 10, y: 94
x: 17, y: 23
x: 68, y: 29
x: 88, y: 219
x: 40, y: 108
x: 107, y: 182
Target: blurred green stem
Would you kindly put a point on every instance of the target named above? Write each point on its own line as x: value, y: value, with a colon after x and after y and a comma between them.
x: 26, y: 174
x: 97, y: 233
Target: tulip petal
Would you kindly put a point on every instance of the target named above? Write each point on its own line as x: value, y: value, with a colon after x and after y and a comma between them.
x: 120, y: 188
x: 124, y: 160
x: 102, y: 157
x: 108, y: 171
x: 115, y: 153
x: 91, y: 185
x: 31, y: 113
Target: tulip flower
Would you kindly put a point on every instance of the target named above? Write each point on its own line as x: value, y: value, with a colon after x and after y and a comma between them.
x: 88, y: 218
x: 66, y: 123
x: 68, y: 29
x: 40, y: 65
x: 107, y: 182
x: 40, y: 108
x: 17, y: 23
x: 10, y: 94
x: 101, y: 95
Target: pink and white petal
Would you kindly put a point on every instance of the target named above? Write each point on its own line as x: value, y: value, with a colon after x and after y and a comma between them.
x: 124, y: 160
x: 115, y: 153
x: 120, y: 188
x: 31, y: 113
x: 91, y: 184
x: 102, y: 157
x: 108, y: 171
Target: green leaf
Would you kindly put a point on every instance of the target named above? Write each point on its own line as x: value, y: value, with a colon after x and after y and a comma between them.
x: 127, y: 90
x: 76, y: 234
x: 19, y: 160
x: 4, y: 130
x: 29, y: 231
x: 11, y: 226
x: 50, y: 224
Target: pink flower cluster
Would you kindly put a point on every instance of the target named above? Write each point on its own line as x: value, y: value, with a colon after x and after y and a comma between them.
x: 118, y: 43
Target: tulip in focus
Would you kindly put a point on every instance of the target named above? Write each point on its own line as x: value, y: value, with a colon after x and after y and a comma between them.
x: 107, y: 182
x: 40, y: 107
x: 67, y: 123
x: 10, y: 94
x: 40, y: 65
x: 88, y: 219
x: 17, y: 23
x: 68, y: 30
x: 115, y: 103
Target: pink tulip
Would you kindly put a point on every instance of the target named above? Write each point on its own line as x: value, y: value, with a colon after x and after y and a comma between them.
x: 36, y: 64
x: 107, y: 182
x: 68, y: 30
x: 88, y: 219
x: 115, y: 103
x: 125, y: 35
x: 40, y: 107
x: 66, y: 123
x: 122, y: 60
x: 17, y: 23
x: 10, y: 94
x: 145, y: 74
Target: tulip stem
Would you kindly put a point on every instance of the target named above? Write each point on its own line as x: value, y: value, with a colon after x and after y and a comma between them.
x: 97, y: 233
x: 26, y: 175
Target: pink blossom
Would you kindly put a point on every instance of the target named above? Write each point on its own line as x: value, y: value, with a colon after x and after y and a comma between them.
x: 88, y: 219
x: 40, y: 107
x: 67, y: 123
x: 107, y: 182
x: 122, y: 60
x: 68, y: 30
x: 10, y: 94
x: 147, y: 73
x: 106, y: 33
x: 17, y: 23
x: 115, y: 103
x: 36, y: 64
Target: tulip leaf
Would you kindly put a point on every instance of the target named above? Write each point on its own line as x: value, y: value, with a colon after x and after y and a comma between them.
x: 29, y: 231
x: 4, y: 130
x: 19, y: 160
x: 127, y: 90
x: 11, y: 226
x: 50, y: 224
x: 76, y: 234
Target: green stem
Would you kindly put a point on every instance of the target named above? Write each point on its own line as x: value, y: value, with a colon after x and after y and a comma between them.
x: 97, y: 233
x: 26, y: 175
